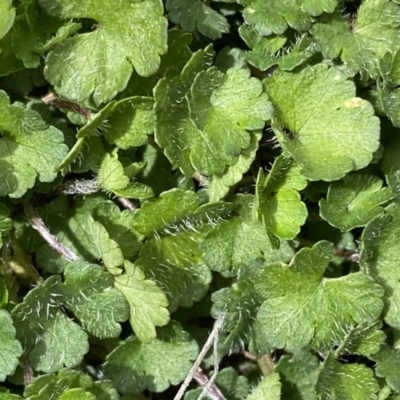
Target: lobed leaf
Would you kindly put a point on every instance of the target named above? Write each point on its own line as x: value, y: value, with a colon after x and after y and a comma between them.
x: 98, y: 64
x: 327, y: 123
x: 298, y: 298
x: 148, y: 304
x: 134, y: 366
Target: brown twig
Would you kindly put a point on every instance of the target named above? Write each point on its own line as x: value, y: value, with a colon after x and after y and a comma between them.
x: 28, y: 373
x: 212, y: 391
x: 195, y: 367
x: 347, y: 254
x: 38, y: 224
x: 68, y: 105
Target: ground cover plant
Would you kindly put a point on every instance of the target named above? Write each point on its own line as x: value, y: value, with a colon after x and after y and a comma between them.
x: 199, y: 199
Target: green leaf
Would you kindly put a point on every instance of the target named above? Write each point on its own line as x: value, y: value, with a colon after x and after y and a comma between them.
x: 134, y: 366
x: 388, y: 363
x: 28, y: 149
x: 233, y: 242
x: 220, y: 184
x: 32, y: 34
x: 276, y: 16
x: 298, y: 375
x: 174, y: 263
x: 6, y: 395
x: 111, y: 177
x: 167, y: 210
x: 378, y: 257
x: 231, y: 103
x: 3, y: 294
x: 364, y: 340
x: 53, y: 340
x: 67, y: 383
x: 327, y: 123
x: 300, y: 299
x: 7, y: 12
x: 194, y: 15
x: 148, y: 304
x: 129, y: 35
x: 179, y: 52
x: 269, y: 388
x: 224, y: 107
x: 282, y: 211
x: 11, y: 349
x: 317, y: 7
x: 5, y: 222
x: 130, y: 122
x: 284, y: 174
x: 111, y: 174
x: 88, y: 294
x: 362, y: 42
x: 119, y: 226
x: 173, y: 128
x: 240, y: 303
x: 269, y: 51
x: 354, y: 201
x: 108, y: 249
x: 346, y: 381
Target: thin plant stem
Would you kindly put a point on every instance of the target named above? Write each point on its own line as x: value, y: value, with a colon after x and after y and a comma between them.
x: 38, y: 224
x: 214, y: 333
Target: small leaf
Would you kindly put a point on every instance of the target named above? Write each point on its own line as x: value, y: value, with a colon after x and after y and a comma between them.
x: 276, y: 16
x: 148, y: 304
x: 388, y: 366
x: 240, y: 303
x: 134, y: 366
x: 194, y: 15
x: 89, y: 295
x: 373, y: 31
x: 269, y: 388
x: 173, y: 128
x: 220, y: 184
x: 7, y: 12
x: 133, y: 35
x: 167, y: 210
x: 282, y: 212
x: 298, y: 373
x: 379, y: 243
x: 354, y: 201
x: 232, y: 103
x: 317, y: 7
x: 28, y: 149
x: 346, y: 381
x: 33, y: 34
x: 174, y: 263
x: 108, y: 249
x: 320, y: 310
x: 327, y: 123
x: 233, y: 242
x: 129, y: 123
x: 53, y: 340
x: 11, y: 349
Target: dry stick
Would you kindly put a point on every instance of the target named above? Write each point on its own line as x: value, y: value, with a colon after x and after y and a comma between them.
x: 215, y: 372
x: 214, y: 333
x: 127, y: 203
x: 68, y: 105
x: 38, y: 224
x: 203, y: 381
